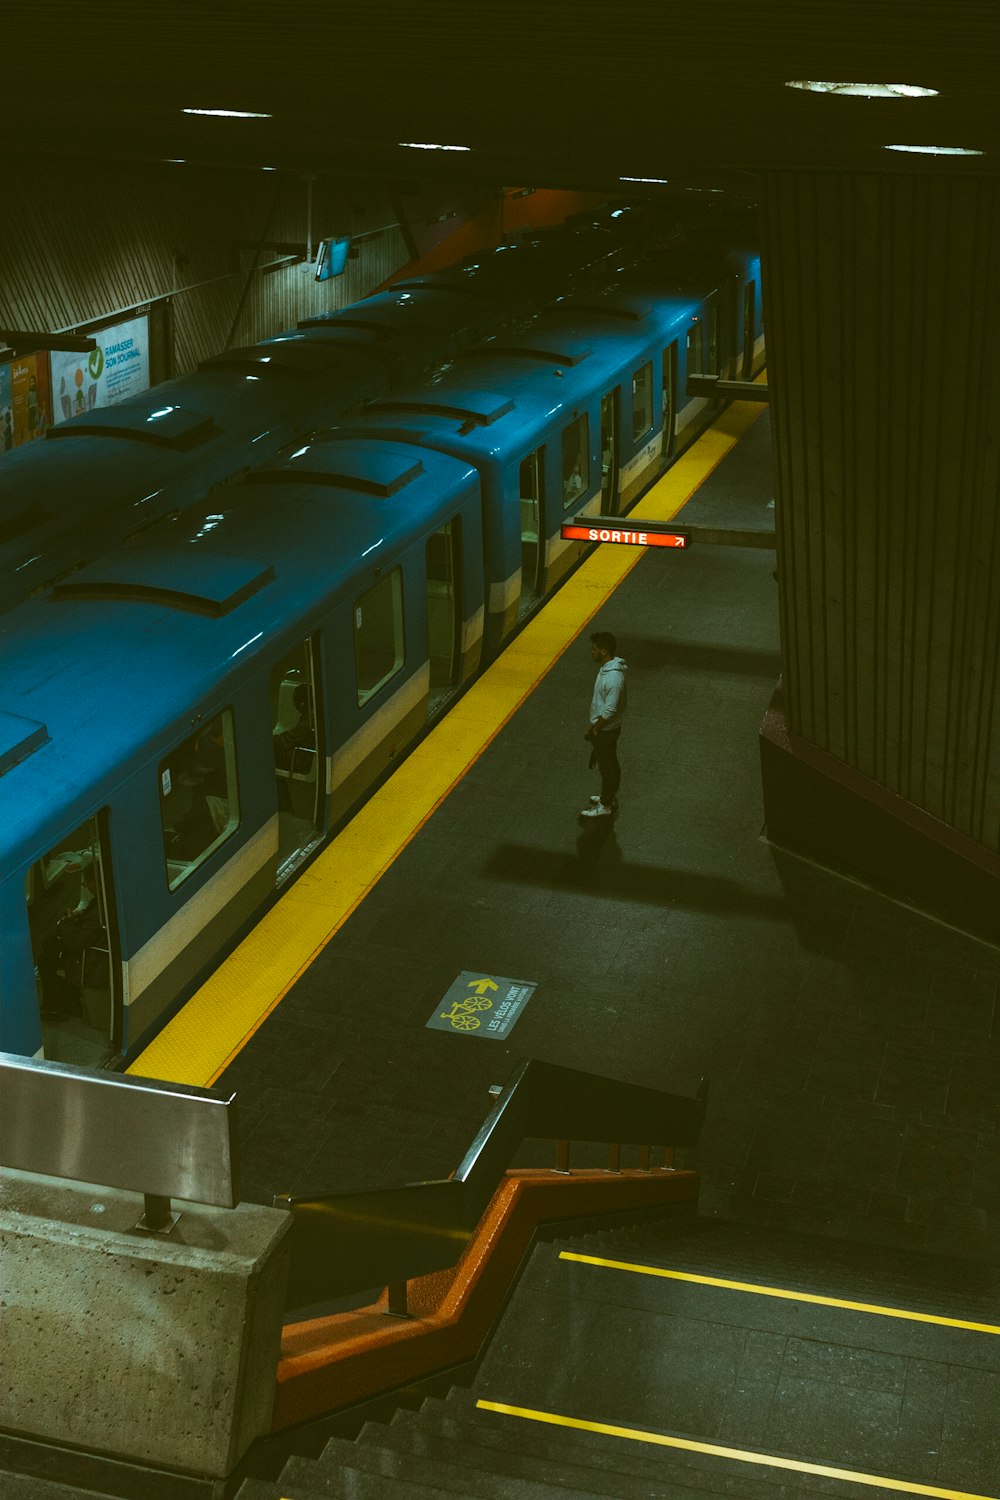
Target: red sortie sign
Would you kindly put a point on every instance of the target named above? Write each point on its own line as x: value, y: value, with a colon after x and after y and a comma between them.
x: 624, y: 537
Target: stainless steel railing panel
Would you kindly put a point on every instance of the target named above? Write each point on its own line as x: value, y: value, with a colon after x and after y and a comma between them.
x: 165, y: 1140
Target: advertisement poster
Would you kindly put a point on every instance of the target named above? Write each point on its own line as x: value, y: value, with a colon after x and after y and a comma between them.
x: 31, y: 409
x: 6, y: 411
x: 116, y: 369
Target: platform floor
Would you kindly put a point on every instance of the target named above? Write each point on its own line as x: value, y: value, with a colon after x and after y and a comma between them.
x: 852, y: 1044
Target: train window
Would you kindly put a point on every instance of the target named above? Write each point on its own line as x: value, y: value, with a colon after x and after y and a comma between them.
x: 67, y: 897
x: 667, y: 397
x: 378, y: 634
x: 443, y: 613
x: 575, y: 459
x: 642, y: 401
x: 199, y: 801
x: 609, y: 451
x: 297, y: 754
x: 749, y: 322
x: 696, y: 349
x: 530, y: 478
x: 710, y: 324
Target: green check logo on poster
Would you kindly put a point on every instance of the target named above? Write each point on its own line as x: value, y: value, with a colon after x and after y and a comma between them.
x: 95, y: 363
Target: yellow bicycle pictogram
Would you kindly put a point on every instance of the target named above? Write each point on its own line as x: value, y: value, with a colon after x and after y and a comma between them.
x: 462, y: 1014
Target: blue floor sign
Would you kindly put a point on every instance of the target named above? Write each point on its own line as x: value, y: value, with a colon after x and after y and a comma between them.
x: 479, y: 1004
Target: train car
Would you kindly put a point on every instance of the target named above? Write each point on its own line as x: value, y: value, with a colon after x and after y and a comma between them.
x: 110, y: 472
x: 577, y: 415
x: 196, y: 711
x: 189, y: 716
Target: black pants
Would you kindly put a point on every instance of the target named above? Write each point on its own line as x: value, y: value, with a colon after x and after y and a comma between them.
x: 606, y: 746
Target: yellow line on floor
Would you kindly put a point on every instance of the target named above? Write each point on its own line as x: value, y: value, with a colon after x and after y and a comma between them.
x: 777, y: 1291
x: 224, y: 1013
x: 739, y: 1455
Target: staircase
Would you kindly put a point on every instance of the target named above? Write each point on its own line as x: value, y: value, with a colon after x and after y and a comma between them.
x: 606, y: 1381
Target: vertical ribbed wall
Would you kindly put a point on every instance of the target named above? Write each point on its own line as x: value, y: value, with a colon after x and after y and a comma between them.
x: 882, y: 305
x: 77, y: 245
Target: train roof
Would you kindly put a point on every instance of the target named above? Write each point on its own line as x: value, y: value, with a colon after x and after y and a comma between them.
x: 635, y: 306
x: 164, y: 449
x: 98, y: 671
x: 501, y: 398
x: 404, y: 314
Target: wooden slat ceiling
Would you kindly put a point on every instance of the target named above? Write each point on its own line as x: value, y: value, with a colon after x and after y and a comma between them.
x: 547, y: 92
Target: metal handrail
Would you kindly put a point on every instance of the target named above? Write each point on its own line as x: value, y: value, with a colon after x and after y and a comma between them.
x: 164, y: 1140
x: 344, y: 1243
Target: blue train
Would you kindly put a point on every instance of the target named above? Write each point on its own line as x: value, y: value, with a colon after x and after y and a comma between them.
x: 192, y: 711
x: 112, y: 472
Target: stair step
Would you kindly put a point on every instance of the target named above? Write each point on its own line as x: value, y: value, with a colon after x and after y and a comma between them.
x: 29, y: 1487
x: 463, y: 1446
x: 947, y: 1286
x: 379, y: 1461
x: 566, y: 1462
x: 461, y: 1463
x: 311, y: 1479
x: 258, y: 1489
x: 705, y: 1472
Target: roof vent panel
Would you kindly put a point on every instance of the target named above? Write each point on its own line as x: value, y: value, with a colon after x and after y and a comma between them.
x: 346, y: 465
x: 183, y: 577
x: 19, y: 738
x: 567, y: 358
x: 482, y: 408
x: 161, y: 425
x: 283, y: 357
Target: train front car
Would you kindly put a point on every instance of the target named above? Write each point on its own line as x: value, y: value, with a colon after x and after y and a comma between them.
x: 199, y: 708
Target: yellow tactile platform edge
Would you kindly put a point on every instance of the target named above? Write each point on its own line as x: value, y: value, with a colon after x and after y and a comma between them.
x: 223, y: 1014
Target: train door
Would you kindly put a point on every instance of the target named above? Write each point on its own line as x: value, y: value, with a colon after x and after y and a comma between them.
x: 710, y: 347
x: 696, y: 349
x: 296, y: 721
x: 749, y: 324
x: 668, y: 399
x: 642, y: 403
x: 74, y: 944
x: 575, y: 461
x: 532, y: 474
x: 444, y: 615
x: 610, y: 409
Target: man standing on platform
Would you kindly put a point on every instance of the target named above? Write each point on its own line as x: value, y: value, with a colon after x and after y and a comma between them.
x: 607, y: 710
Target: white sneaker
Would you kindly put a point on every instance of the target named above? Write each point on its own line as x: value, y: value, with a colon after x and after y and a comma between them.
x: 595, y: 799
x: 600, y: 811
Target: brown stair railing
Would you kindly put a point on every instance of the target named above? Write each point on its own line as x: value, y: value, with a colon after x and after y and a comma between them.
x: 344, y: 1243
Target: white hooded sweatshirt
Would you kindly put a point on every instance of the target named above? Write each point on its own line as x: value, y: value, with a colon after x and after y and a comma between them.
x: 610, y: 698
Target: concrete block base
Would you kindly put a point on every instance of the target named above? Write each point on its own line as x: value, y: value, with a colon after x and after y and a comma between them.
x: 161, y: 1349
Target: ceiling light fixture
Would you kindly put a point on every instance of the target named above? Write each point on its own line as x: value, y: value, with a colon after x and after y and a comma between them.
x: 230, y: 114
x: 863, y: 90
x: 431, y: 146
x: 938, y: 150
x: 663, y: 180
